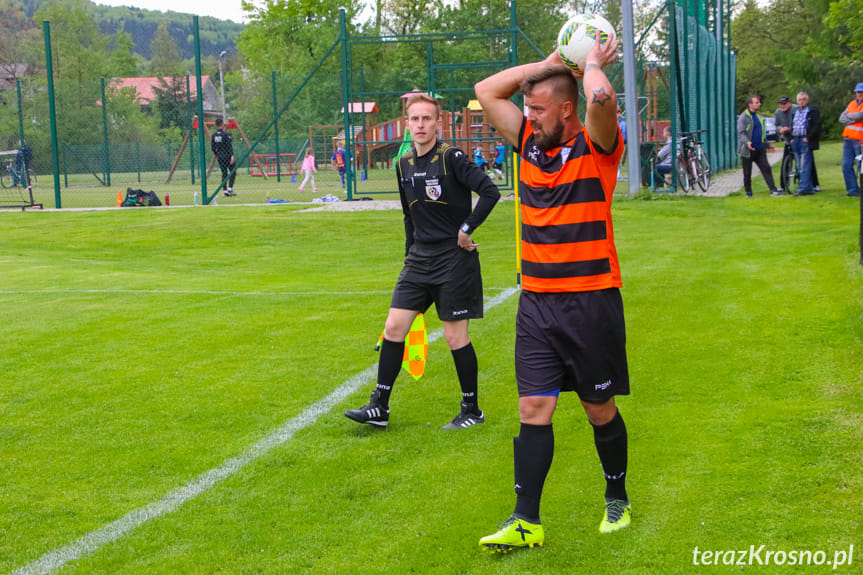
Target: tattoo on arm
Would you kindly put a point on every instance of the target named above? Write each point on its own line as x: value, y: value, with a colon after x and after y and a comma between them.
x: 592, y: 66
x: 600, y: 97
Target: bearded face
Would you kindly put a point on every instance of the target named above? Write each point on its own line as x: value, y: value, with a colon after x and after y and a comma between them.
x: 546, y: 140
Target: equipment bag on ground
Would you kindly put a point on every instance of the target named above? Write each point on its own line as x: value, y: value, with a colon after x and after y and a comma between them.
x: 141, y: 198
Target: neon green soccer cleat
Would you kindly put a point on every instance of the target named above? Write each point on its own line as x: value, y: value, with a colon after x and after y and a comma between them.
x: 618, y: 515
x: 513, y: 533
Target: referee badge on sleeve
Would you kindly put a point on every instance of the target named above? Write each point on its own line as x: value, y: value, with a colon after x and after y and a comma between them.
x: 433, y: 189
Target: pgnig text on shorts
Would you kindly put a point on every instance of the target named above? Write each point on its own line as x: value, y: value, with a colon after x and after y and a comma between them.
x: 763, y: 556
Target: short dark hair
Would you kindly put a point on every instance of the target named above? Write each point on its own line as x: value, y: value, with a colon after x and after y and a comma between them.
x: 563, y: 82
x: 219, y: 122
x: 752, y: 97
x: 417, y: 98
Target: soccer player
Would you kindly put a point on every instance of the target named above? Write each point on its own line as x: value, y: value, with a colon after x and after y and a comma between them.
x: 569, y: 328
x: 442, y: 264
x: 223, y: 149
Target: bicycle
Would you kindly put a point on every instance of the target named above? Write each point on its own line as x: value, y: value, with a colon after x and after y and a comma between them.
x: 789, y: 175
x: 11, y: 176
x: 693, y: 163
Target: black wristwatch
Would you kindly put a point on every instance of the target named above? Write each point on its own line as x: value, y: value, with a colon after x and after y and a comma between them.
x: 466, y: 228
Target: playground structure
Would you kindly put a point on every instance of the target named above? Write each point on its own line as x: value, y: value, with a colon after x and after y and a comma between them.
x: 375, y: 144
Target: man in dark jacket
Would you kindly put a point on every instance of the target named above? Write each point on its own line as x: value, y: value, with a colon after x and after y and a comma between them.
x: 752, y: 146
x: 223, y: 149
x: 805, y: 138
x: 784, y: 118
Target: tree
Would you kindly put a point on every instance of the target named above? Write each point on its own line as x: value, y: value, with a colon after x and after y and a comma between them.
x: 166, y: 57
x: 123, y: 63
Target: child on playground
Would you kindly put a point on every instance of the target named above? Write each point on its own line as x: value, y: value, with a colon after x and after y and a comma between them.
x: 308, y: 168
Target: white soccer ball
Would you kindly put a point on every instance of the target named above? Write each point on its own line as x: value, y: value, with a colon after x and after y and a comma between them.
x: 577, y: 36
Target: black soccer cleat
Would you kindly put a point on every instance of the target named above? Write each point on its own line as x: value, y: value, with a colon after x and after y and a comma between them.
x: 372, y: 413
x: 470, y: 415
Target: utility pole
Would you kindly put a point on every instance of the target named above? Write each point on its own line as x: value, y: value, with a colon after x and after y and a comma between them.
x: 222, y: 86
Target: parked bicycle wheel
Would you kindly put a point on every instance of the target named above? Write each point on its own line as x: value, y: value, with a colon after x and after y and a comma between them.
x: 702, y: 172
x: 682, y: 176
x: 6, y: 179
x: 788, y: 176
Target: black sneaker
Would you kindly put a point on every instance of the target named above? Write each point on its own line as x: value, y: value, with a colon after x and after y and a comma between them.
x: 470, y: 415
x: 776, y: 193
x: 372, y: 413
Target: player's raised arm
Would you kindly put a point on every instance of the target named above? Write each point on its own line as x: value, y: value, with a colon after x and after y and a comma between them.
x: 494, y: 95
x: 601, y: 113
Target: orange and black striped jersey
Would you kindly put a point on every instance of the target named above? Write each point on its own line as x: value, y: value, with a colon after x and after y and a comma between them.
x: 567, y: 236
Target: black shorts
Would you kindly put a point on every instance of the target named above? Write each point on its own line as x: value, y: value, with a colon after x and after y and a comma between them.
x: 497, y: 166
x: 451, y: 279
x: 574, y: 341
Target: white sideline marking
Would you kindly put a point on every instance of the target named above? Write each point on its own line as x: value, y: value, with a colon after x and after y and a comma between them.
x: 92, y: 541
x: 203, y: 292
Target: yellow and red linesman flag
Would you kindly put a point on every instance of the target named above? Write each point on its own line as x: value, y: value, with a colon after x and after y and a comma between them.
x: 416, y: 348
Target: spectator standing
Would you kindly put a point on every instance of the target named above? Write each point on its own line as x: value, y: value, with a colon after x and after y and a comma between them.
x: 752, y: 146
x: 22, y: 165
x: 805, y: 138
x: 852, y: 135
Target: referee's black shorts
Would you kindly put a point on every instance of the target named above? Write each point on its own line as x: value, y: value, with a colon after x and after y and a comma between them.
x: 451, y: 278
x: 574, y: 341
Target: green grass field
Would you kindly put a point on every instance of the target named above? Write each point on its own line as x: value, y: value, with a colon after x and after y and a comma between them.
x: 140, y: 349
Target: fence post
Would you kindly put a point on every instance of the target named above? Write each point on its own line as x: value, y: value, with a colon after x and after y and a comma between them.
x: 343, y: 38
x: 52, y: 112
x: 203, y: 150
x: 276, y: 130
x: 191, y: 145
x: 105, y: 153
x: 20, y: 113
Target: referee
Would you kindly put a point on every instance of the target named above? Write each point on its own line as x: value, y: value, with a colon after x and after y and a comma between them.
x: 442, y: 265
x: 223, y: 149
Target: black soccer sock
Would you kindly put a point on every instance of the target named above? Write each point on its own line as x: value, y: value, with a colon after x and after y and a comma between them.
x: 389, y: 364
x: 611, y: 445
x: 533, y: 451
x: 466, y: 368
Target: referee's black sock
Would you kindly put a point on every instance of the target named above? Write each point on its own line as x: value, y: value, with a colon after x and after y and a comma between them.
x: 466, y: 368
x: 389, y: 364
x: 611, y: 445
x: 533, y: 451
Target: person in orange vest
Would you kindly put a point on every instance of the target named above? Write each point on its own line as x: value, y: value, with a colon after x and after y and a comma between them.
x: 852, y: 119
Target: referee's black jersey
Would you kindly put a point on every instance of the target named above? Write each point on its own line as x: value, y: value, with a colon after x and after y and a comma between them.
x: 435, y: 191
x: 221, y: 144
